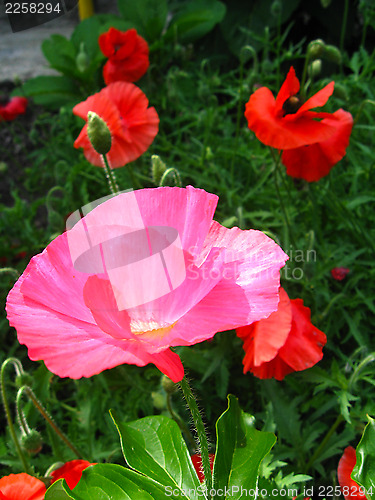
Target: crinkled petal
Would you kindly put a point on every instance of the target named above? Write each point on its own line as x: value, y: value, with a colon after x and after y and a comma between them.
x: 287, y: 132
x: 71, y: 472
x: 21, y: 486
x: 263, y: 339
x: 315, y: 161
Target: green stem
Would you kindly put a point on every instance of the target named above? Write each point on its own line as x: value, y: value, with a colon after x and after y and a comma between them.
x: 286, y: 217
x: 343, y: 27
x: 111, y: 177
x: 19, y: 370
x: 303, y: 79
x: 38, y: 405
x: 184, y: 428
x: 199, y: 425
x: 322, y: 445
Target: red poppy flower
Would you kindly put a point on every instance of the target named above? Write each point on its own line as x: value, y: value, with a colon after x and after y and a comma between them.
x: 339, y: 273
x: 10, y: 109
x: 197, y: 462
x: 133, y: 125
x: 127, y: 54
x: 21, y: 486
x: 350, y: 489
x: 312, y: 142
x: 71, y: 472
x: 315, y: 161
x: 284, y: 342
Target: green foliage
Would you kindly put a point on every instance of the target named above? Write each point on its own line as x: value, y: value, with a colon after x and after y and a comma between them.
x: 364, y: 470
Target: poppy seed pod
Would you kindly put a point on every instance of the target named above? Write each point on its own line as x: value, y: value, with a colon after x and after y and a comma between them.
x: 99, y: 134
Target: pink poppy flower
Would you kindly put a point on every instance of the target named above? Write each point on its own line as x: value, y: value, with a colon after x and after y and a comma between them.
x: 21, y: 486
x: 11, y: 108
x: 283, y: 343
x: 71, y: 472
x: 350, y: 489
x: 142, y: 272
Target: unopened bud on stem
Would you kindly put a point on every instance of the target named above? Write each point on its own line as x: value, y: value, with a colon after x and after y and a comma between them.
x: 98, y: 133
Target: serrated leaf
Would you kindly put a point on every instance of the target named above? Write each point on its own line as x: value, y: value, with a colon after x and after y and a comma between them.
x: 364, y: 470
x: 108, y: 481
x: 154, y: 446
x: 240, y: 450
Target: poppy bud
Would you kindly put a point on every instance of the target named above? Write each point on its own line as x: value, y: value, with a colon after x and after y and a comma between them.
x: 276, y: 8
x: 341, y: 91
x: 99, y: 134
x: 158, y: 400
x: 32, y: 441
x: 24, y: 379
x: 315, y: 49
x: 158, y: 167
x: 332, y: 53
x: 169, y: 386
x: 315, y: 68
x: 82, y: 60
x: 3, y: 167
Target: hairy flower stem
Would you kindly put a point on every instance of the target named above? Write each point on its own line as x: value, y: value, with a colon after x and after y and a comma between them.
x: 19, y: 370
x: 111, y: 177
x: 183, y: 427
x: 343, y: 28
x: 286, y: 217
x: 198, y: 422
x: 323, y: 444
x: 38, y: 405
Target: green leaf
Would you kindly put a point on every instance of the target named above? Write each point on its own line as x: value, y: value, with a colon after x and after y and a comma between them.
x: 240, y: 450
x: 58, y: 491
x: 53, y: 91
x: 364, y: 470
x: 61, y: 54
x: 147, y: 16
x: 195, y: 19
x: 108, y: 481
x: 87, y: 32
x: 154, y: 446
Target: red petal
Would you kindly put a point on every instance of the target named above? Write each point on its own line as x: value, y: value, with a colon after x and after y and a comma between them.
x: 197, y: 462
x: 21, y: 486
x: 289, y: 88
x: 287, y: 132
x: 133, y: 125
x: 344, y: 470
x: 71, y: 472
x: 315, y: 161
x: 264, y: 338
x: 317, y: 100
x: 339, y: 273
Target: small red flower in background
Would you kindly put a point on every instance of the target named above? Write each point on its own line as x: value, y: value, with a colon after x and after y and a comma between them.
x: 283, y: 343
x: 71, y: 472
x: 350, y: 489
x: 133, y: 125
x: 127, y: 54
x: 21, y: 487
x: 312, y: 142
x: 197, y: 462
x: 10, y: 109
x: 339, y: 273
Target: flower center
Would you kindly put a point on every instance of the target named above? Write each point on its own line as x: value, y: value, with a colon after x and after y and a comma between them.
x: 146, y: 330
x: 292, y: 105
